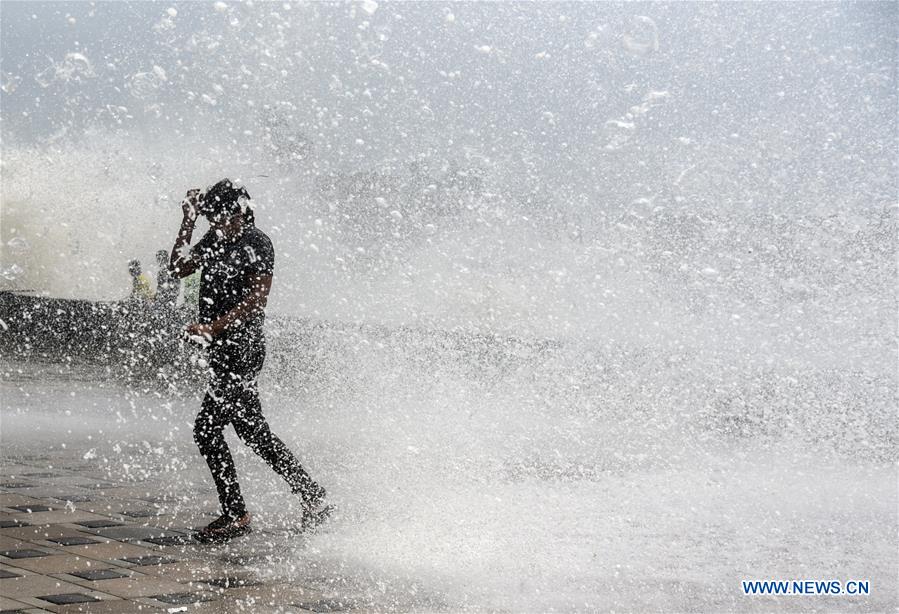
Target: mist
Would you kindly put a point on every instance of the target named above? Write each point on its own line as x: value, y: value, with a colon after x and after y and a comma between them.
x: 581, y: 280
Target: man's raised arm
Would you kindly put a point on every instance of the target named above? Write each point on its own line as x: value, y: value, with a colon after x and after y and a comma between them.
x: 180, y: 263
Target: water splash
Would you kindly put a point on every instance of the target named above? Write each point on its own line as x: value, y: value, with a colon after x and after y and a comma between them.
x: 642, y: 36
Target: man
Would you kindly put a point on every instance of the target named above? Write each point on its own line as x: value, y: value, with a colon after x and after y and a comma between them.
x: 236, y: 262
x: 167, y: 286
x: 140, y: 285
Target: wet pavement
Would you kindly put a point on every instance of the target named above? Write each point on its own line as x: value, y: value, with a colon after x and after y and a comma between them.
x: 73, y: 541
x: 100, y: 482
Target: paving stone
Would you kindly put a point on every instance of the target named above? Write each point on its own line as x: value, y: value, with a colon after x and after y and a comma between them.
x: 60, y: 483
x: 11, y: 542
x: 109, y: 504
x: 136, y: 499
x: 182, y: 521
x: 132, y: 532
x: 12, y: 524
x: 208, y: 607
x: 102, y: 506
x: 101, y: 486
x: 324, y: 605
x: 194, y: 570
x: 33, y: 508
x: 138, y: 586
x: 170, y: 540
x: 247, y: 605
x: 166, y: 499
x: 13, y: 466
x: 57, y: 563
x: 137, y: 489
x: 40, y: 474
x: 113, y: 606
x: 84, y: 470
x: 98, y: 574
x: 11, y: 499
x: 67, y: 598
x: 4, y: 574
x: 244, y: 560
x: 42, y: 491
x: 142, y: 561
x: 74, y: 498
x: 57, y: 516
x: 99, y: 524
x: 232, y: 582
x: 183, y: 598
x: 11, y: 605
x: 109, y: 550
x: 22, y: 554
x: 73, y: 541
x: 12, y: 566
x: 16, y: 485
x: 40, y: 532
x: 277, y: 596
x: 35, y: 586
x: 230, y: 606
x: 142, y: 513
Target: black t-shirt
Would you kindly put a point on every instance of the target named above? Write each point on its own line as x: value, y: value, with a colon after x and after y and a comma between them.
x: 228, y: 270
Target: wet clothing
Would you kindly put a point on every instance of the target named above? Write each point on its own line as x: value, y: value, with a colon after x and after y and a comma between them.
x: 233, y: 398
x: 140, y: 288
x: 228, y: 270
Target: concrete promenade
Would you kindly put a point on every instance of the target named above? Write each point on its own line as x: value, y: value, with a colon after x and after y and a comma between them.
x: 71, y: 541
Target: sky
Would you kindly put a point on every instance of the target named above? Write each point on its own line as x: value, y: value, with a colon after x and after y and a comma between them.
x: 533, y: 84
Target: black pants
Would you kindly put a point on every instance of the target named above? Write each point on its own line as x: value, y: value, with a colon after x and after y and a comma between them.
x: 232, y: 398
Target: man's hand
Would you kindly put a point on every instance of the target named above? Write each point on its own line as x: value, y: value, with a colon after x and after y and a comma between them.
x: 189, y: 205
x: 180, y: 263
x: 201, y: 334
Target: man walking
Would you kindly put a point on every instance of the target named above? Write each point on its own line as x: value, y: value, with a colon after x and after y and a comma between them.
x: 236, y: 262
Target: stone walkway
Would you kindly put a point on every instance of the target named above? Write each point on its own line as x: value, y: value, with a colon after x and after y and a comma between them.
x: 73, y: 542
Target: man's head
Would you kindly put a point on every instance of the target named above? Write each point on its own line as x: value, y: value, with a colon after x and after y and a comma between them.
x: 222, y: 207
x: 134, y: 267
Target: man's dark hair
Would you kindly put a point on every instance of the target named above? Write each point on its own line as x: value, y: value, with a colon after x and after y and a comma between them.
x: 222, y: 198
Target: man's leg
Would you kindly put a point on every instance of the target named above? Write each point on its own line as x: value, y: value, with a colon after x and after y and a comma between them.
x: 254, y: 430
x: 211, y: 421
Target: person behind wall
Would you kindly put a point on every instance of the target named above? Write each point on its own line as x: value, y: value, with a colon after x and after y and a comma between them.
x: 236, y: 262
x: 140, y: 285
